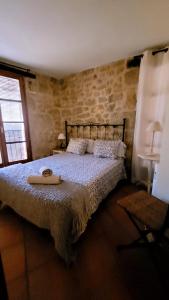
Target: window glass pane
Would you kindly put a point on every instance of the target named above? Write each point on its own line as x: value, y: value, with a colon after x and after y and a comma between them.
x: 14, y: 132
x: 11, y: 111
x: 16, y: 151
x: 9, y: 88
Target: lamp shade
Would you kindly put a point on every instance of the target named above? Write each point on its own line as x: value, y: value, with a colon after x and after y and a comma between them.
x: 61, y: 136
x: 154, y: 126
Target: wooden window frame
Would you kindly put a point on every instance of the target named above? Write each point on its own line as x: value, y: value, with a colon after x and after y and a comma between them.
x: 25, y: 121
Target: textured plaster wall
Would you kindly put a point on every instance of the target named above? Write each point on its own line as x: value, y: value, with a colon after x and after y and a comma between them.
x: 104, y: 94
x: 43, y: 103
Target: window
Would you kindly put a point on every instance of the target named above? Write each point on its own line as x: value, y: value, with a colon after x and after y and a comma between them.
x: 14, y: 135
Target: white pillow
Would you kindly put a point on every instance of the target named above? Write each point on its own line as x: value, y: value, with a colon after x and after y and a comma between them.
x: 121, y: 150
x: 104, y: 148
x: 77, y: 146
x: 90, y: 146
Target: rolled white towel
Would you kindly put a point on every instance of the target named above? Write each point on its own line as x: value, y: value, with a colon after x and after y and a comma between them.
x: 44, y: 180
x: 45, y: 171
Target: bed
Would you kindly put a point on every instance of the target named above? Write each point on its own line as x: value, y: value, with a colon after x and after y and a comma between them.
x: 64, y: 209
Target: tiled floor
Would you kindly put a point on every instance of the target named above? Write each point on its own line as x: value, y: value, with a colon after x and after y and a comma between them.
x: 34, y: 271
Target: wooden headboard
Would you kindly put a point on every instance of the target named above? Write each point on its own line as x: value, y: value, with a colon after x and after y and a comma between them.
x: 95, y: 130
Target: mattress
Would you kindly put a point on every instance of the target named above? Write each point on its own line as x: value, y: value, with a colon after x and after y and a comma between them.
x: 66, y: 208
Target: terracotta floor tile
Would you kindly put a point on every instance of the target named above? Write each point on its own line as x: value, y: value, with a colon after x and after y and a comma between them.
x: 39, y: 246
x: 99, y: 272
x: 52, y: 281
x: 10, y: 234
x: 17, y: 289
x: 140, y: 275
x: 6, y: 216
x: 10, y: 228
x: 97, y: 267
x: 111, y: 289
x: 13, y: 260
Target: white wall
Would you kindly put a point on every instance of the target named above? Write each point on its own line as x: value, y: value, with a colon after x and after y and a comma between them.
x: 161, y: 180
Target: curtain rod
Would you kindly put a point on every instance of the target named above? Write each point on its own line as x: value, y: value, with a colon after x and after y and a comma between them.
x: 135, y: 61
x: 17, y: 70
x: 153, y: 52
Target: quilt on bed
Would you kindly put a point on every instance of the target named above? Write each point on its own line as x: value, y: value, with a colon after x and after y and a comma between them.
x: 64, y: 209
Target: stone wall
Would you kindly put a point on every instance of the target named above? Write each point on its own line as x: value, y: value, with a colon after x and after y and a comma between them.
x: 104, y: 94
x: 43, y: 103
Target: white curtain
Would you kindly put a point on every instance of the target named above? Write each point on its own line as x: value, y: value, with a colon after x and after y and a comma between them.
x: 152, y: 94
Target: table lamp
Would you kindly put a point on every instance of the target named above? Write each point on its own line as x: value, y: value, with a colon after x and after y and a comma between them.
x: 153, y: 127
x: 61, y: 137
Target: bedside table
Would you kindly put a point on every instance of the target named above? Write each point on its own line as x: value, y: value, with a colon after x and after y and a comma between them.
x: 150, y: 158
x: 58, y: 151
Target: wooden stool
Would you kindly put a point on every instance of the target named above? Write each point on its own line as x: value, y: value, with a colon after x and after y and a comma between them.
x: 149, y: 211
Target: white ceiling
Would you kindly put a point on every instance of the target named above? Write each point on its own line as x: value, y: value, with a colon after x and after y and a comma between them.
x: 59, y: 37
